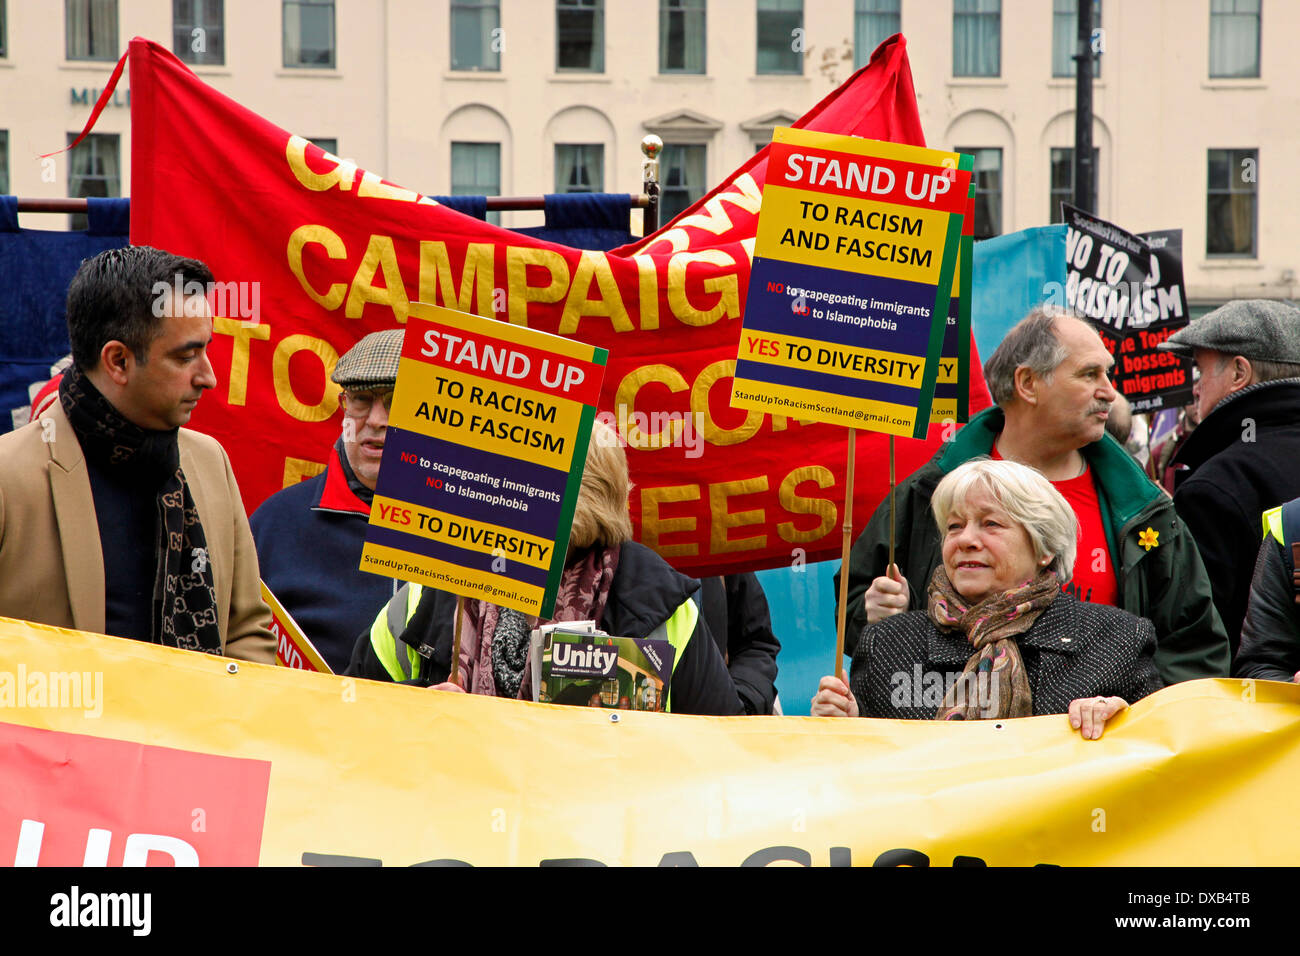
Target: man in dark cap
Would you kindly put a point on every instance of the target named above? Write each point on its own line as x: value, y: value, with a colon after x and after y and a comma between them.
x: 309, y: 536
x: 1244, y: 457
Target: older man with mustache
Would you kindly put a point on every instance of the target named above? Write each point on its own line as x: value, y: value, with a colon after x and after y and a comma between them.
x: 1050, y: 379
x: 309, y: 536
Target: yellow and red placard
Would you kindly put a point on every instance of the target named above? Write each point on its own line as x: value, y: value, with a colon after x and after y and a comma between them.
x: 293, y: 648
x: 483, y: 458
x: 337, y: 252
x: 1199, y: 774
x: 853, y: 270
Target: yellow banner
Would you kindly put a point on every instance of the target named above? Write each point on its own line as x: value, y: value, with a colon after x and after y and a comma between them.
x: 1200, y: 774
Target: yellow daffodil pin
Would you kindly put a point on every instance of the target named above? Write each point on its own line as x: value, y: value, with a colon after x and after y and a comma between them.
x: 1150, y: 538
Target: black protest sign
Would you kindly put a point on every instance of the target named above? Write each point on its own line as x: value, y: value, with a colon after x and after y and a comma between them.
x: 1147, y: 385
x: 1131, y: 291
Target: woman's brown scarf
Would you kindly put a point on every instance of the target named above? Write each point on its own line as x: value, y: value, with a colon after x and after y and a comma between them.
x: 993, y: 683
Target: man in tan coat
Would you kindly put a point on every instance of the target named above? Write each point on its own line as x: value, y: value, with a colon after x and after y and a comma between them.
x: 113, y: 518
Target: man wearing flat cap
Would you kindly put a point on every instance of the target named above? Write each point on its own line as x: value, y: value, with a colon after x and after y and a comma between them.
x: 1244, y: 457
x: 309, y: 536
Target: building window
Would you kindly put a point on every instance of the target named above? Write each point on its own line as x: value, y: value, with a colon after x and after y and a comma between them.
x: 1232, y: 199
x: 329, y: 144
x: 4, y: 162
x: 988, y: 190
x: 682, y: 36
x: 681, y: 177
x: 1063, y: 179
x: 1234, y: 38
x: 91, y: 28
x: 580, y: 35
x: 780, y: 36
x: 579, y: 168
x: 1065, y: 37
x: 874, y: 22
x: 198, y: 36
x: 94, y: 170
x: 977, y: 38
x: 476, y: 171
x: 4, y: 32
x: 309, y: 33
x: 476, y: 35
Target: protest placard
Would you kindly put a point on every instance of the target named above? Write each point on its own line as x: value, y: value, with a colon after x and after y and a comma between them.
x: 853, y: 269
x: 292, y: 646
x: 951, y: 399
x: 1131, y: 290
x: 484, y: 454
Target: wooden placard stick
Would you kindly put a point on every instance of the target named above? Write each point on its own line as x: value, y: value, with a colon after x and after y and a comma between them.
x: 844, y: 555
x: 892, y: 485
x: 455, y: 643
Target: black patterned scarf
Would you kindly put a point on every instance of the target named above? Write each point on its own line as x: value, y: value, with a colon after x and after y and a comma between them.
x: 184, y: 594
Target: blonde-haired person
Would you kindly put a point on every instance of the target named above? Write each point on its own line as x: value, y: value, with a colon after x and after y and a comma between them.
x: 608, y: 578
x: 999, y: 638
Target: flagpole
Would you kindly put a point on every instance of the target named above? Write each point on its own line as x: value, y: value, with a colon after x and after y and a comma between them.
x: 844, y: 555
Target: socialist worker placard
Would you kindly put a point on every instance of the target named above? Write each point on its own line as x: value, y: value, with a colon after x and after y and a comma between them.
x: 484, y: 454
x: 853, y: 270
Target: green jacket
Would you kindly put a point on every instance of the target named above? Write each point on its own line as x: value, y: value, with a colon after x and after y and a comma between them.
x: 1167, y: 583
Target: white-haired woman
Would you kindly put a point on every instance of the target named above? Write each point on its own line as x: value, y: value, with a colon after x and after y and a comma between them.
x: 999, y: 638
x: 608, y: 578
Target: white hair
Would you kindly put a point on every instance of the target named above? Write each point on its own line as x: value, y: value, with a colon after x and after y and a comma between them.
x: 1026, y: 496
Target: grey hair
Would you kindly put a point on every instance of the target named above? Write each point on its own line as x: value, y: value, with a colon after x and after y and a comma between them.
x: 1026, y: 496
x: 1265, y: 371
x: 1031, y: 342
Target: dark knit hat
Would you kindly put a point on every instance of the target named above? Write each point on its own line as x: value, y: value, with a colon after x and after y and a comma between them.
x: 1258, y: 329
x: 370, y: 363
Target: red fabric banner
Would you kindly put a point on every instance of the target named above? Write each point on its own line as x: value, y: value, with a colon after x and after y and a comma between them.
x: 310, y: 253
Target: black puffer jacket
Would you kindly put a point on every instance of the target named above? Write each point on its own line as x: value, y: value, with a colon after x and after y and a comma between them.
x: 1073, y: 650
x: 1270, y: 634
x: 736, y: 609
x: 1242, y: 460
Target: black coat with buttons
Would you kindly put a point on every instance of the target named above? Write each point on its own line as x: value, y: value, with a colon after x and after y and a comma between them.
x: 903, y: 664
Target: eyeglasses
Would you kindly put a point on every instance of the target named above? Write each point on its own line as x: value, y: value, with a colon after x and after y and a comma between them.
x: 360, y: 403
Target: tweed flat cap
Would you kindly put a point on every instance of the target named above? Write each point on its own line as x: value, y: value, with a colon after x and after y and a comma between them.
x: 1259, y: 329
x: 371, y: 362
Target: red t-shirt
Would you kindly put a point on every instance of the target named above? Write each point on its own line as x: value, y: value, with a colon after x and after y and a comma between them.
x: 1094, y: 571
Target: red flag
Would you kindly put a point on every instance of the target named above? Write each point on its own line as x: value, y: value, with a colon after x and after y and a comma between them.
x: 324, y: 252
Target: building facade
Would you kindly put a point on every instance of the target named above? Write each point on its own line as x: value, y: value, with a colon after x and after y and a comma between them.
x: 1193, y: 99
